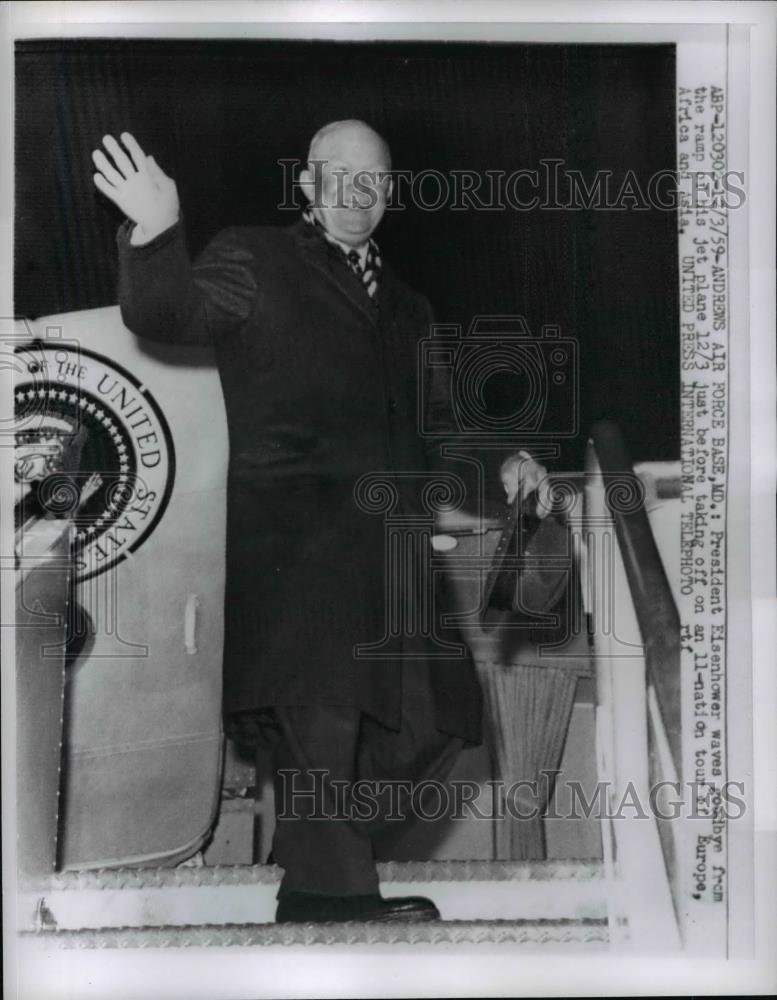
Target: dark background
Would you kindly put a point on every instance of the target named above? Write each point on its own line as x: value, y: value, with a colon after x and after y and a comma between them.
x: 218, y: 115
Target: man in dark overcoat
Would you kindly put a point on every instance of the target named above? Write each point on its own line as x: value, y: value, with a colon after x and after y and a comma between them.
x: 316, y: 341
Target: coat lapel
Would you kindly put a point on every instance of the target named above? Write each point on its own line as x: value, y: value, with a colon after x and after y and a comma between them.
x: 326, y: 259
x: 389, y: 303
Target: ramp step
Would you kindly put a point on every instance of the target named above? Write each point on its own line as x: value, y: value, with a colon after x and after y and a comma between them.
x: 464, y: 891
x: 390, y: 871
x: 591, y: 933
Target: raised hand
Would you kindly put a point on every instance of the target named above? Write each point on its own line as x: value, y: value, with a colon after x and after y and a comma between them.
x: 137, y: 185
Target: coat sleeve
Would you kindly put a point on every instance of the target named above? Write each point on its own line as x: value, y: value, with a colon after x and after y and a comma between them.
x: 164, y: 297
x: 440, y: 425
x: 441, y: 428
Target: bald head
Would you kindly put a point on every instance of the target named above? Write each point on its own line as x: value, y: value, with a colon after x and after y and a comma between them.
x: 347, y: 179
x: 350, y: 136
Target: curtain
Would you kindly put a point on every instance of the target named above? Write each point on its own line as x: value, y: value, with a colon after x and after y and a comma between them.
x: 220, y: 116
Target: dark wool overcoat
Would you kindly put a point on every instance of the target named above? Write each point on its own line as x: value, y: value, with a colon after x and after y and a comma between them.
x: 321, y: 387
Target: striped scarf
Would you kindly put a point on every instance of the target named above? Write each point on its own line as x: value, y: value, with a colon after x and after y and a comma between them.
x: 369, y: 275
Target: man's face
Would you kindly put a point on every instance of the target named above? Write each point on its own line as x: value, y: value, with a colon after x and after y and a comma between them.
x: 348, y: 183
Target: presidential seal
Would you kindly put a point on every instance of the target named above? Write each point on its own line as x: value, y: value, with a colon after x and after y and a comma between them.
x: 93, y: 450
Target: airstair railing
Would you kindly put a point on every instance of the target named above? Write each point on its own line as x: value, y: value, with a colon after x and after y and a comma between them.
x: 636, y: 635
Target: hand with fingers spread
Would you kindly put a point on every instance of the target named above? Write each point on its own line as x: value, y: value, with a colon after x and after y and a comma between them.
x: 137, y: 185
x: 522, y: 475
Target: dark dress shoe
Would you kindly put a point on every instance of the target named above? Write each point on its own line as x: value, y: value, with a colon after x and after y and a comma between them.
x: 312, y: 907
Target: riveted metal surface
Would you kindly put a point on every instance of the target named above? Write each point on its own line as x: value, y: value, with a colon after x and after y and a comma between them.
x: 539, y: 933
x: 392, y: 871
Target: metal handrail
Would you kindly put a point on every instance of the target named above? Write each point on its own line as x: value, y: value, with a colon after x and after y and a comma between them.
x: 656, y: 611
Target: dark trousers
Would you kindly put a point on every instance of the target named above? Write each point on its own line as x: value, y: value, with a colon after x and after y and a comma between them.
x: 327, y: 810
